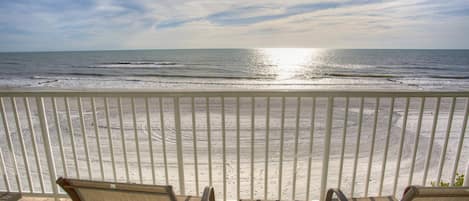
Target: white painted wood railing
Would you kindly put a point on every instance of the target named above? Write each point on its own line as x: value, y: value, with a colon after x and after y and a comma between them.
x: 247, y: 144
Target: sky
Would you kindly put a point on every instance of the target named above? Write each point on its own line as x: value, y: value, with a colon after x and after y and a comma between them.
x: 55, y: 25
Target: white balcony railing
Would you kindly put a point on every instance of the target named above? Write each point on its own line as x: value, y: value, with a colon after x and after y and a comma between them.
x: 247, y: 144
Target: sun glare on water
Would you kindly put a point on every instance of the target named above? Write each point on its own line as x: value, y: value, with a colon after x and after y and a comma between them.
x: 287, y: 63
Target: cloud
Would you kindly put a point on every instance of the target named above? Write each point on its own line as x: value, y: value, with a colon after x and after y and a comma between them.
x: 456, y: 12
x: 255, y: 14
x: 27, y: 25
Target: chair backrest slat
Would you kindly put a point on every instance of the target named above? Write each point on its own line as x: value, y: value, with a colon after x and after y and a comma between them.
x: 418, y: 193
x: 84, y: 190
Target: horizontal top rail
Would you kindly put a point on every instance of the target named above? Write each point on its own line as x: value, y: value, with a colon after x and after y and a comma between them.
x: 226, y: 93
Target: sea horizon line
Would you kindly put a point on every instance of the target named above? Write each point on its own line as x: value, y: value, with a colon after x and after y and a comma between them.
x: 234, y: 48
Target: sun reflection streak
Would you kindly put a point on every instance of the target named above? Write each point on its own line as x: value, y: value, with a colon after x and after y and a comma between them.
x: 286, y: 63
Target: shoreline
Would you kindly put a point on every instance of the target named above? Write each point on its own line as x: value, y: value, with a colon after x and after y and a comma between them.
x: 129, y: 82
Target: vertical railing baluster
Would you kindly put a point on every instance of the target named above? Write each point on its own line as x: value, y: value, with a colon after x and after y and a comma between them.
x: 85, y: 137
x: 47, y: 145
x: 137, y: 143
x: 96, y: 132
x: 4, y: 171
x: 124, y: 148
x: 238, y: 186
x: 282, y: 133
x: 267, y: 139
x: 445, y: 145
x: 432, y: 139
x: 109, y: 133
x: 327, y: 143
x: 295, y: 156
x: 357, y: 146
x: 223, y: 138
x: 72, y: 136
x: 34, y: 144
x: 416, y: 140
x: 344, y: 137
x: 460, y: 142
x: 194, y: 144
x: 59, y: 135
x: 372, y: 148
x: 253, y: 132
x: 401, y: 146
x: 386, y: 146
x: 10, y: 145
x: 163, y: 140
x: 19, y: 129
x: 209, y: 140
x: 180, y: 158
x: 311, y: 142
x: 150, y: 140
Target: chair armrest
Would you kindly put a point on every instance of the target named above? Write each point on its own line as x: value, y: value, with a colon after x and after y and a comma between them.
x: 337, y: 192
x: 209, y: 194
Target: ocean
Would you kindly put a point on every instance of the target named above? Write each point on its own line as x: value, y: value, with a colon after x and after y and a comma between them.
x: 275, y: 68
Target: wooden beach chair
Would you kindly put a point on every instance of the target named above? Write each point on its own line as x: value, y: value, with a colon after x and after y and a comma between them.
x: 412, y: 193
x: 85, y: 190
